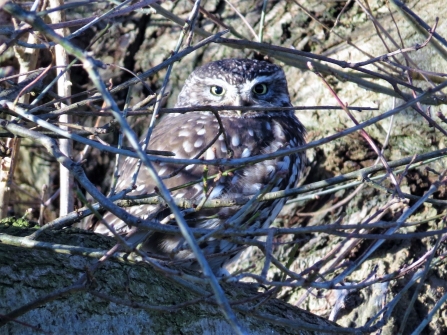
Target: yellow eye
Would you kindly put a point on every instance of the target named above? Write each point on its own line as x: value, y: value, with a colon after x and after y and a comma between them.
x: 260, y: 89
x: 217, y: 90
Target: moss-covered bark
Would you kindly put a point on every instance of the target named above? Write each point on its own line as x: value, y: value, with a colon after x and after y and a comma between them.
x: 30, y: 274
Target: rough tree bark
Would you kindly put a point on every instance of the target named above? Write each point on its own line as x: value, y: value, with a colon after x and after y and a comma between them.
x: 30, y: 274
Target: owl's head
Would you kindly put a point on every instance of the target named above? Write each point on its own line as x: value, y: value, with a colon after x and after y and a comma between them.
x: 236, y: 82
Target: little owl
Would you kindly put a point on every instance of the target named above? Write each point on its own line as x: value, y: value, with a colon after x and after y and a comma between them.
x: 246, y: 133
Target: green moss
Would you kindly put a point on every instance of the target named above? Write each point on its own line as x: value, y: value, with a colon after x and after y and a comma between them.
x: 16, y: 222
x: 17, y: 226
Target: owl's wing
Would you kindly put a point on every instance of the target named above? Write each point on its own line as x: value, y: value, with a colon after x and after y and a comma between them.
x: 187, y: 135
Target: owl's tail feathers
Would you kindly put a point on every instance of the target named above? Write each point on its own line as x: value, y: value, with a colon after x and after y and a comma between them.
x: 118, y: 225
x: 134, y: 237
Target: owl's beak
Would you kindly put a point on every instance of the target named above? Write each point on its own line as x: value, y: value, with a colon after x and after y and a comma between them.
x: 240, y: 101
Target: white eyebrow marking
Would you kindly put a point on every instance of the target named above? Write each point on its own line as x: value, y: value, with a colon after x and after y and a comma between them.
x: 247, y: 86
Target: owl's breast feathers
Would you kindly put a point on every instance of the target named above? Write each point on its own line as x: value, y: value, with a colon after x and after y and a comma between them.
x: 245, y: 137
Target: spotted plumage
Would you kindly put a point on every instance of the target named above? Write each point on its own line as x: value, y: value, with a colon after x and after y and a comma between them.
x: 230, y: 82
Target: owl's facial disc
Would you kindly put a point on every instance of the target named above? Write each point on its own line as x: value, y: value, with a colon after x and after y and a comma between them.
x: 249, y: 93
x: 237, y: 82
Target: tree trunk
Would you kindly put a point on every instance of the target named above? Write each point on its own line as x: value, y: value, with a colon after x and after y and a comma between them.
x: 32, y: 275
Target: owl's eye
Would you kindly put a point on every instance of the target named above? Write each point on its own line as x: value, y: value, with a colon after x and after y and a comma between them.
x: 217, y: 90
x: 260, y: 89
